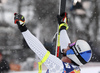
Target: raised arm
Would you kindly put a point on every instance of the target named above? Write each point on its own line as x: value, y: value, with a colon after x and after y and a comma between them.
x: 51, y: 62
x: 63, y: 27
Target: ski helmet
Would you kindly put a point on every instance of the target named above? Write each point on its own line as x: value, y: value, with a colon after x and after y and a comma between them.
x: 79, y: 52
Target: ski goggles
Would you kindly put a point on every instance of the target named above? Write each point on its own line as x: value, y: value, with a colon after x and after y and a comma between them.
x: 83, y: 56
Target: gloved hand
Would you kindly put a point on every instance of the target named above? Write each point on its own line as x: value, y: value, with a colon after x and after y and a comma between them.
x: 63, y: 21
x: 20, y: 21
x: 62, y: 18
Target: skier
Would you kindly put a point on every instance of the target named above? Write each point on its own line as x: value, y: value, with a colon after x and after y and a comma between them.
x: 74, y: 55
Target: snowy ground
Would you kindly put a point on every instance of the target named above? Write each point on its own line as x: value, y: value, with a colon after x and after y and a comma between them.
x: 83, y: 70
x: 91, y: 70
x: 28, y: 72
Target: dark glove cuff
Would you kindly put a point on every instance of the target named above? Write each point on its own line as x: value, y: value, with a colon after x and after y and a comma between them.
x: 63, y: 27
x: 22, y: 28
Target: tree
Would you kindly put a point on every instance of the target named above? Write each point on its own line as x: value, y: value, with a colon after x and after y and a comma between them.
x: 46, y: 12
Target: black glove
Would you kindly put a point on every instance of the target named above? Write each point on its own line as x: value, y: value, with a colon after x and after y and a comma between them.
x: 63, y: 21
x: 20, y: 21
x: 61, y: 18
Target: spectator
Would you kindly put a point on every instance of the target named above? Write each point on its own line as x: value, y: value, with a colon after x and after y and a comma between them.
x: 4, y: 66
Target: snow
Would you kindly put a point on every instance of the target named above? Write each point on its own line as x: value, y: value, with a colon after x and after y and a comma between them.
x: 28, y: 72
x: 91, y: 70
x: 83, y: 70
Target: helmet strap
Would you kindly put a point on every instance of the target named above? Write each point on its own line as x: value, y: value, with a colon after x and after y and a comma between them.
x: 74, y: 63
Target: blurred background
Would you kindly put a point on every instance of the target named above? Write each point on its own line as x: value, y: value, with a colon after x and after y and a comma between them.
x: 40, y: 15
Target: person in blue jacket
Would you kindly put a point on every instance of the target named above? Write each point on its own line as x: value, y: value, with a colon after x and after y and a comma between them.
x: 74, y: 54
